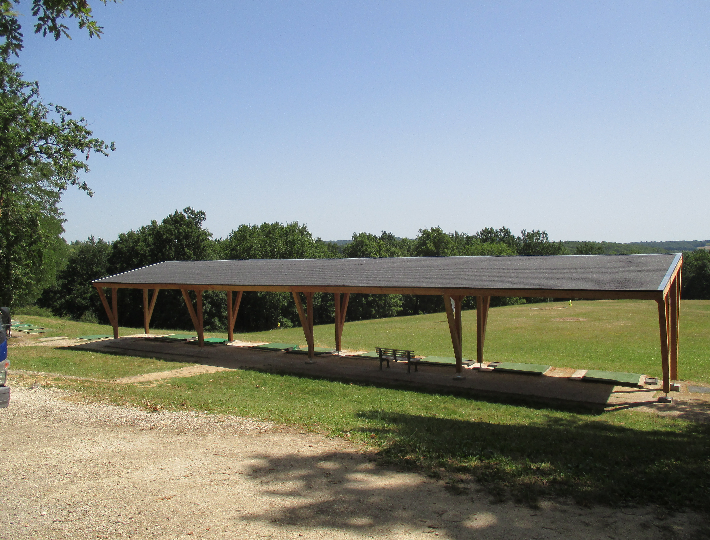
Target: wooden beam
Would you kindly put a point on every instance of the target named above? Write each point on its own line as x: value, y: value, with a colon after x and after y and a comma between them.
x: 114, y: 307
x: 196, y: 316
x: 341, y: 309
x: 110, y: 312
x: 663, y: 325
x: 453, y: 314
x: 306, y: 319
x: 425, y: 291
x: 200, y: 319
x: 674, y: 327
x: 148, y: 308
x: 232, y: 311
x: 483, y: 303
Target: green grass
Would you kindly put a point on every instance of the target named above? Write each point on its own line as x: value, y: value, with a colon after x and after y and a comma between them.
x: 78, y: 363
x: 618, y: 335
x: 512, y: 450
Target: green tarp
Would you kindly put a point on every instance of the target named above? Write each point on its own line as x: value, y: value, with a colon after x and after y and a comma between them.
x: 613, y: 377
x: 527, y: 369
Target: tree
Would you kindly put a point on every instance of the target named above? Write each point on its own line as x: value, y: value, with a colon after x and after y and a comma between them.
x: 538, y: 243
x: 49, y: 14
x: 43, y: 151
x: 31, y: 249
x: 696, y: 275
x: 73, y: 295
x: 589, y: 248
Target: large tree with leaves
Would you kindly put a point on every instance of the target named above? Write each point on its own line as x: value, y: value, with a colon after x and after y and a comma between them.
x: 43, y: 151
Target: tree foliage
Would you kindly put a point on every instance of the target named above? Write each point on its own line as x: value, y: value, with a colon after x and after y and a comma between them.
x: 73, y: 295
x: 49, y: 15
x: 31, y: 249
x: 43, y: 151
x: 696, y: 275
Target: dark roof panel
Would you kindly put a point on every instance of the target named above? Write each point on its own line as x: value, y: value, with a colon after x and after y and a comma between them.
x: 564, y: 272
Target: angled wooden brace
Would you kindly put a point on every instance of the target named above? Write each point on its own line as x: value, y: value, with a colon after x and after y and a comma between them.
x: 453, y: 314
x: 197, y: 316
x: 483, y: 303
x: 232, y: 310
x: 148, y: 308
x: 306, y: 319
x: 112, y: 311
x: 341, y: 309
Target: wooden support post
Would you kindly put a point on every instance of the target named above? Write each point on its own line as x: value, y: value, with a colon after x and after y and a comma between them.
x: 232, y: 310
x: 483, y: 303
x: 148, y: 308
x: 196, y: 316
x: 675, y: 327
x: 453, y: 314
x: 306, y: 319
x: 663, y: 325
x: 341, y: 309
x: 114, y: 306
x: 111, y: 311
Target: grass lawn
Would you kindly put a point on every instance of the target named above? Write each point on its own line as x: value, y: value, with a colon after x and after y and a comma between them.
x: 511, y: 450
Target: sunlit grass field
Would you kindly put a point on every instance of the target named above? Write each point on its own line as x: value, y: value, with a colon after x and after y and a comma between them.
x: 527, y: 452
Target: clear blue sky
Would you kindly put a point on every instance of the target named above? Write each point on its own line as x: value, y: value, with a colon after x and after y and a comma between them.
x: 590, y: 120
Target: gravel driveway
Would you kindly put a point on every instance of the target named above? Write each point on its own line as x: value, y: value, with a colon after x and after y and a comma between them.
x: 78, y: 470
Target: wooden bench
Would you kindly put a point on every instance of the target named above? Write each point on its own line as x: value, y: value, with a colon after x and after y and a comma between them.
x: 397, y: 355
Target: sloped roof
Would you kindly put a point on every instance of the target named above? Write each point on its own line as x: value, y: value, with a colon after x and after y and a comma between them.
x: 424, y: 275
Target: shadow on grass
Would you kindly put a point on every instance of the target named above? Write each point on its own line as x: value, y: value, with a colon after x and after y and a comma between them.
x: 338, y: 492
x: 589, y: 460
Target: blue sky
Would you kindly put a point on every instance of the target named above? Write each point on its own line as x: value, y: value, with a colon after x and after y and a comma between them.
x: 590, y: 120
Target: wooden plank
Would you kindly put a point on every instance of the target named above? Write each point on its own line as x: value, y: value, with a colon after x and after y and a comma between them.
x: 663, y: 325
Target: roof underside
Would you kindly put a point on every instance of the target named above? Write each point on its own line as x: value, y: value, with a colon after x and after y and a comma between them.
x: 622, y: 273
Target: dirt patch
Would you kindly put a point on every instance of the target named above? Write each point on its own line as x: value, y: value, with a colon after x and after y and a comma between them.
x: 75, y: 470
x: 189, y: 371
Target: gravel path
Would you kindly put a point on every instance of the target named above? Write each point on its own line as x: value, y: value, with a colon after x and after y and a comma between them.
x: 78, y: 470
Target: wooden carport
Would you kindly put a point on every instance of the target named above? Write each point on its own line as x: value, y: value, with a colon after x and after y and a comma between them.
x: 644, y: 277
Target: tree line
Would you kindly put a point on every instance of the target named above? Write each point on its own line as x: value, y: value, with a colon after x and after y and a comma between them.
x: 182, y: 236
